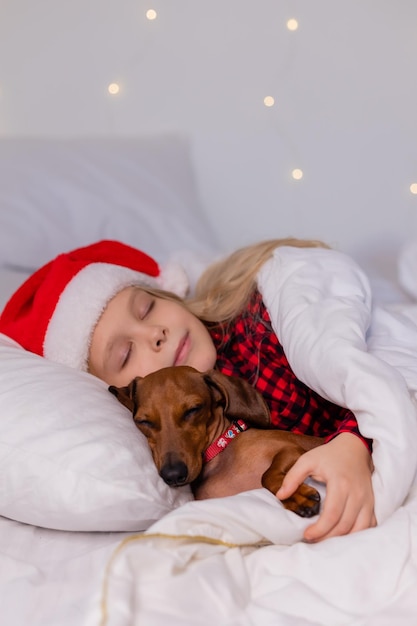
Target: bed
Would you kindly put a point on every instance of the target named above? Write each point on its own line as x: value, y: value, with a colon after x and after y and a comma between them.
x: 89, y: 534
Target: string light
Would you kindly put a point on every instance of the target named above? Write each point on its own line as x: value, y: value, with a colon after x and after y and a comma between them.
x: 269, y: 101
x: 292, y: 24
x: 151, y: 14
x: 113, y: 89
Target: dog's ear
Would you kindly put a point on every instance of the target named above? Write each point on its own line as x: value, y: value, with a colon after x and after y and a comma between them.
x: 127, y: 395
x: 240, y: 400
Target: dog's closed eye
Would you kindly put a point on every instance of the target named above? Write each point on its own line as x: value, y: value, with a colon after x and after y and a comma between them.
x: 192, y: 412
x: 144, y: 423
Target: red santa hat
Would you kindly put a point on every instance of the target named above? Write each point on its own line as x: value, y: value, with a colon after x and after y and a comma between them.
x: 55, y: 311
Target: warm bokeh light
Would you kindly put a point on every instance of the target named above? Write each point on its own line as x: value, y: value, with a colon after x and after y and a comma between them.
x: 292, y: 24
x: 413, y: 188
x: 269, y: 101
x: 297, y: 174
x: 151, y: 14
x: 113, y: 89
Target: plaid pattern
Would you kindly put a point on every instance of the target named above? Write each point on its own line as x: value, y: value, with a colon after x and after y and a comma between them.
x: 249, y: 348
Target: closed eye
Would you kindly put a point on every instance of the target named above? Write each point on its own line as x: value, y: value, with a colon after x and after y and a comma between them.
x: 143, y: 304
x: 147, y: 310
x: 191, y: 412
x: 127, y: 356
x: 144, y: 423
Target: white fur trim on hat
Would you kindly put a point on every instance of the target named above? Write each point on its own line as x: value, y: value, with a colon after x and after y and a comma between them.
x: 79, y: 308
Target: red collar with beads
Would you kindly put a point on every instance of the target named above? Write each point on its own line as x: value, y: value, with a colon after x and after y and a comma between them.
x: 219, y: 444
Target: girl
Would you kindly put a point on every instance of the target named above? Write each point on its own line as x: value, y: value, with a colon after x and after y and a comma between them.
x: 265, y: 313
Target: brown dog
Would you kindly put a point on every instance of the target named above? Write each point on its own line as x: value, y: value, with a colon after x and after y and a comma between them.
x: 188, y: 417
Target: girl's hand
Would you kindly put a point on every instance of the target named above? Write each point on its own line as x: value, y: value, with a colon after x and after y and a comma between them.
x: 345, y: 466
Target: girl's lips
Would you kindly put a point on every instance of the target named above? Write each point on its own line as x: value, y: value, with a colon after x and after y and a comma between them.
x: 182, y: 350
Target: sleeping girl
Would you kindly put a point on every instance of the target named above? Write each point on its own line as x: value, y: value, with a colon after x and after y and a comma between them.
x: 292, y: 317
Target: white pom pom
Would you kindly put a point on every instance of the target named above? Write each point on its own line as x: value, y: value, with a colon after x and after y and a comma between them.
x: 174, y: 278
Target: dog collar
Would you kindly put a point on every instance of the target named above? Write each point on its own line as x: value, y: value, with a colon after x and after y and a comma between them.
x: 219, y: 444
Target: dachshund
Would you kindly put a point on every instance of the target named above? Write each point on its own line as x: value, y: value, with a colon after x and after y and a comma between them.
x: 213, y: 432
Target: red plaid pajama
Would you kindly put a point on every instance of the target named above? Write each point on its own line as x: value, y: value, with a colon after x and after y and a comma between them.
x: 249, y: 348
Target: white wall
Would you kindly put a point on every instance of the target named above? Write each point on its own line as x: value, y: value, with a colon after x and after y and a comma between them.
x: 344, y: 84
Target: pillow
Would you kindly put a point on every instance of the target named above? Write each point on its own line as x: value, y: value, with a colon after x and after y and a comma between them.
x: 60, y: 194
x: 407, y: 268
x: 71, y: 457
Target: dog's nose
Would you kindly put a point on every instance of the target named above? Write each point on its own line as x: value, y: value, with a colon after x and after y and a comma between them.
x: 174, y: 473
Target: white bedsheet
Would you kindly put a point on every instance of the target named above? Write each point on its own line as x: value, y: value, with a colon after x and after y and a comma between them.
x: 50, y: 577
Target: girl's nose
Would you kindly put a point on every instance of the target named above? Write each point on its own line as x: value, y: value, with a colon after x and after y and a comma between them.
x: 158, y: 337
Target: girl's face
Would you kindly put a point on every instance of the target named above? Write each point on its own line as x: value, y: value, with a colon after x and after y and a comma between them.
x: 139, y: 333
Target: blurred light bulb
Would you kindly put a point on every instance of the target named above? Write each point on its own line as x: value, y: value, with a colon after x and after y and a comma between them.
x: 297, y: 174
x: 113, y: 89
x: 413, y: 188
x: 269, y: 101
x: 292, y: 24
x: 151, y: 14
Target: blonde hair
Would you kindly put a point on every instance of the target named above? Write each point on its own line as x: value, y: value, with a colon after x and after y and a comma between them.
x: 226, y: 286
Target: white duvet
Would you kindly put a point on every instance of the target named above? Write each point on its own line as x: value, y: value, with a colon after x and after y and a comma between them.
x: 240, y: 560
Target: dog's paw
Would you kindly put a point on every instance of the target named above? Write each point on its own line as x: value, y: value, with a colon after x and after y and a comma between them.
x: 305, y: 501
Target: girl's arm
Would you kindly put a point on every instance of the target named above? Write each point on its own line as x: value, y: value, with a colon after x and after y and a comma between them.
x: 319, y: 302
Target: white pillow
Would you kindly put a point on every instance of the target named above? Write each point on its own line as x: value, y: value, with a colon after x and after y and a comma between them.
x: 59, y: 194
x: 71, y: 457
x: 407, y: 268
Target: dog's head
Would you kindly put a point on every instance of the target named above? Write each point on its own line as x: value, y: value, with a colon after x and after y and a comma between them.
x: 178, y: 408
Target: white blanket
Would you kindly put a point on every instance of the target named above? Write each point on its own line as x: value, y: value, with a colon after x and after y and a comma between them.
x: 240, y: 560
x: 200, y: 565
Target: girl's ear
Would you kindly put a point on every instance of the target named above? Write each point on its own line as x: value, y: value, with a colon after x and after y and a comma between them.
x: 126, y: 395
x: 239, y: 399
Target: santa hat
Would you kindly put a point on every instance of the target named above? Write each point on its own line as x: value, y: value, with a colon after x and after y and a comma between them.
x: 55, y: 311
